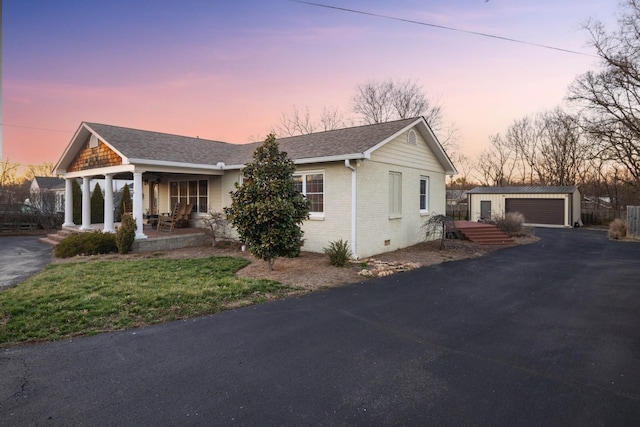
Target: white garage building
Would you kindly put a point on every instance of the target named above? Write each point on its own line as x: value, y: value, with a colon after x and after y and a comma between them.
x: 541, y: 206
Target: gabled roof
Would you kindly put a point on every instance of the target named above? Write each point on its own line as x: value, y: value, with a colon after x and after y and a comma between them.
x: 525, y: 190
x: 147, y: 147
x: 350, y: 141
x: 49, y: 182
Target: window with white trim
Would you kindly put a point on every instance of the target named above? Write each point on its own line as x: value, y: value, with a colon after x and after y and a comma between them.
x: 193, y: 191
x: 395, y: 194
x: 311, y: 185
x: 424, y: 194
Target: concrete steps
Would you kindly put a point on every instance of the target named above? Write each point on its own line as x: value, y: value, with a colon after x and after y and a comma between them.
x: 484, y: 234
x: 55, y: 238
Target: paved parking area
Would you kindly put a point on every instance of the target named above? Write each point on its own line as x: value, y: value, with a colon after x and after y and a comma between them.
x: 543, y: 334
x: 20, y: 257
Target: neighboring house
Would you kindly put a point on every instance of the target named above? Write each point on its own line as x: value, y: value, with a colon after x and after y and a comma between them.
x: 543, y: 206
x: 457, y: 207
x: 373, y: 185
x: 596, y: 202
x: 47, y: 193
x: 456, y: 197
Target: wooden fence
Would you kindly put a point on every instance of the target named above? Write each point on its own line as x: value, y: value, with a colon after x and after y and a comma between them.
x: 601, y: 216
x: 457, y: 212
x: 633, y: 222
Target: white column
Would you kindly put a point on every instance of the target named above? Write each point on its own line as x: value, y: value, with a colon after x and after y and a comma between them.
x: 86, y: 203
x: 137, y: 204
x: 68, y: 203
x: 108, y: 204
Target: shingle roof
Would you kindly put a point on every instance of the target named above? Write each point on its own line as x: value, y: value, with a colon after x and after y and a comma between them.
x: 353, y: 140
x: 49, y: 182
x: 525, y: 190
x: 142, y: 144
x: 157, y: 146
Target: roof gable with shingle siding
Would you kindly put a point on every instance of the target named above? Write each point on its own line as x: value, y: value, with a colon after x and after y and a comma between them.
x: 137, y: 144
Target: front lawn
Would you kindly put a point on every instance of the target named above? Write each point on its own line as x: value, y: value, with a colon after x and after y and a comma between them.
x: 85, y: 298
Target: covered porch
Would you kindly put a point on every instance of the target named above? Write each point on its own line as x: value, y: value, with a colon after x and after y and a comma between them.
x: 163, y: 173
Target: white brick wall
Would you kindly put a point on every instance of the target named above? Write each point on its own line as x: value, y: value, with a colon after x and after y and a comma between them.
x: 374, y: 225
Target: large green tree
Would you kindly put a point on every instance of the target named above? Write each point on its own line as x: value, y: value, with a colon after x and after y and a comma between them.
x: 267, y: 210
x: 97, y: 205
x: 77, y: 202
x: 126, y: 204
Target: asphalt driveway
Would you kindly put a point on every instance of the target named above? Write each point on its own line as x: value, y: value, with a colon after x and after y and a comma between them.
x: 544, y: 334
x: 20, y: 257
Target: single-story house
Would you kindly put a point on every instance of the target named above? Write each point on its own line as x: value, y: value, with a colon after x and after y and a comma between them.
x: 47, y: 193
x: 373, y: 185
x: 541, y: 206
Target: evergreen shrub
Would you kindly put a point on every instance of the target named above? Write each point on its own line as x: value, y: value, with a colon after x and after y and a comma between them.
x: 338, y: 253
x: 126, y: 234
x: 89, y: 243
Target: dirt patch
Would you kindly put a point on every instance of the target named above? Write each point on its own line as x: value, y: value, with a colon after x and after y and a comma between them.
x: 312, y: 271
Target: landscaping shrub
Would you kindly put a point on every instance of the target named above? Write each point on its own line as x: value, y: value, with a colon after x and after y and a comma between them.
x: 126, y: 234
x: 338, y: 252
x: 90, y: 243
x: 97, y: 205
x: 216, y: 226
x: 76, y: 191
x: 436, y: 227
x: 126, y: 204
x: 617, y: 229
x: 511, y: 223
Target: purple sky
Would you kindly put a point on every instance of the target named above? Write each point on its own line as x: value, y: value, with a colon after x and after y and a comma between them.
x: 227, y: 70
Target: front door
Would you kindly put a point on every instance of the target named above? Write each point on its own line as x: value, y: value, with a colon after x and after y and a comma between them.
x: 485, y: 209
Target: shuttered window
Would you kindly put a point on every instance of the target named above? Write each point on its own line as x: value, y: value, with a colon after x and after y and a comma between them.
x: 395, y: 194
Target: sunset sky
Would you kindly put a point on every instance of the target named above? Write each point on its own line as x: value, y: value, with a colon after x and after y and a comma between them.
x: 227, y: 70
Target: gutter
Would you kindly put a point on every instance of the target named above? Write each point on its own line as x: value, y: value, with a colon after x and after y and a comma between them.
x: 354, y: 205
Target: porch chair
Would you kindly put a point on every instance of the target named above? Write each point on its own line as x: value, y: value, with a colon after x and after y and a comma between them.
x: 183, y: 215
x: 167, y: 222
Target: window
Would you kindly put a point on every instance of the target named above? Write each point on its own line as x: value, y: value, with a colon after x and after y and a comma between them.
x: 395, y: 194
x: 195, y: 192
x: 424, y: 194
x: 312, y: 186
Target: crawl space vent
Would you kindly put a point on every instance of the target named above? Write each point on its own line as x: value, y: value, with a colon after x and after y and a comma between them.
x: 411, y: 137
x: 93, y: 141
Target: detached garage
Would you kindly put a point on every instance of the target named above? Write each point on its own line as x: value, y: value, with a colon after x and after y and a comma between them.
x: 543, y: 206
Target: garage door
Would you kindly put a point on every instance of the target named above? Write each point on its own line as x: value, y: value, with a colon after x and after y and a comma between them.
x: 538, y: 211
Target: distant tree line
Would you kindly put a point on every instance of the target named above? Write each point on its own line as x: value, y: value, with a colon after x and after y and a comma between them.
x: 594, y: 141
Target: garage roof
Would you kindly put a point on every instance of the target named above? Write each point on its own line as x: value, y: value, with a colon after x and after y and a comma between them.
x: 557, y: 189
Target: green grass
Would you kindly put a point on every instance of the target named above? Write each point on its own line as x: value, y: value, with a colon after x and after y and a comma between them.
x: 85, y: 298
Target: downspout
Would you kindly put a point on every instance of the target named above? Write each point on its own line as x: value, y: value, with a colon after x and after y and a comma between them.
x: 354, y: 205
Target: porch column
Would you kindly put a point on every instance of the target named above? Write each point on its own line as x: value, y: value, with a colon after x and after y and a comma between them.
x: 137, y: 204
x: 68, y: 203
x: 108, y: 204
x: 86, y: 203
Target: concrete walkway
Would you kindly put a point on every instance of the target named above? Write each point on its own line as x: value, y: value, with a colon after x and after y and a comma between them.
x: 543, y: 334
